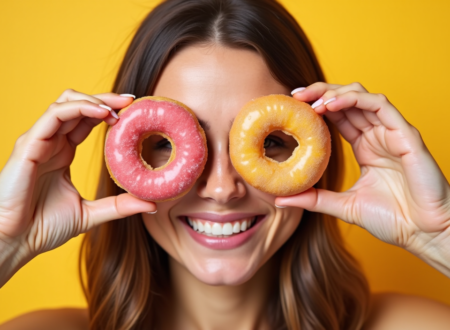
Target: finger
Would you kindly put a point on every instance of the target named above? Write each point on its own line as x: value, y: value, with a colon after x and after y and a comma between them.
x: 61, y: 158
x: 357, y: 119
x: 322, y: 201
x: 319, y: 83
x: 326, y: 91
x: 82, y: 131
x: 372, y: 118
x: 112, y: 100
x: 114, y: 207
x: 58, y: 113
x: 68, y: 126
x: 378, y: 104
x: 313, y: 92
x: 349, y: 132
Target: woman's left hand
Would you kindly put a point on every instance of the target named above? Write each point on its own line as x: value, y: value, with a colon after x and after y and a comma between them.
x: 401, y: 197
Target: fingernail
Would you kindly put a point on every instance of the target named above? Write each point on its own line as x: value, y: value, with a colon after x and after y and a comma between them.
x: 111, y: 111
x: 329, y: 101
x: 152, y: 212
x: 280, y: 207
x: 128, y: 95
x: 317, y: 103
x: 114, y: 114
x: 298, y: 90
x: 104, y: 107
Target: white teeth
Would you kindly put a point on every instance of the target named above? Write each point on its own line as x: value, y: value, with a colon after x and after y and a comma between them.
x: 216, y: 229
x: 227, y: 229
x: 219, y: 229
x: 244, y: 226
x: 236, y: 227
x: 208, y: 228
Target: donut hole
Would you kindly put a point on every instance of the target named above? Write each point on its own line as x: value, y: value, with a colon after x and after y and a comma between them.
x: 156, y: 150
x: 279, y: 146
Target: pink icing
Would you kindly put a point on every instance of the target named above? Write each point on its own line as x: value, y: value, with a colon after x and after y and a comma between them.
x: 121, y: 150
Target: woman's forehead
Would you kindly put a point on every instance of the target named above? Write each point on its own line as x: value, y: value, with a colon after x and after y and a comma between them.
x: 216, y: 81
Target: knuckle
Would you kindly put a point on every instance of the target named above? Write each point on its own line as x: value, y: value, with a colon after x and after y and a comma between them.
x: 66, y: 94
x: 330, y: 94
x: 415, y: 132
x: 53, y: 106
x: 320, y: 84
x: 358, y: 86
x: 20, y: 145
x: 69, y: 91
x: 382, y: 98
x: 20, y: 141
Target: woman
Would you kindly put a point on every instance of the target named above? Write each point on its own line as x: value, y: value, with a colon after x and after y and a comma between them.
x: 145, y: 271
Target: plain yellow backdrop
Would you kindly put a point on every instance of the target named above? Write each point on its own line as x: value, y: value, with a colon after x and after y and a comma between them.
x: 399, y: 48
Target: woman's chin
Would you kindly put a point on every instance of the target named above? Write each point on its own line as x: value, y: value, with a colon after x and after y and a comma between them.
x: 229, y: 260
x: 223, y: 270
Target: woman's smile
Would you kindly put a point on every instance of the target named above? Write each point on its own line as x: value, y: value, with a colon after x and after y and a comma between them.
x: 222, y: 232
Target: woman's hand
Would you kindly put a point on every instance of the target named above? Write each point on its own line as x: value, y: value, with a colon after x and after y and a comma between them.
x: 401, y: 197
x: 40, y: 209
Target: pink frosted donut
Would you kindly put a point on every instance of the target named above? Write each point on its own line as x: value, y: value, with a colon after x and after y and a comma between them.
x: 148, y: 116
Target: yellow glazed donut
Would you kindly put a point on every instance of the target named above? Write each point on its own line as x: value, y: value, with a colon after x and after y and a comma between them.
x: 267, y: 114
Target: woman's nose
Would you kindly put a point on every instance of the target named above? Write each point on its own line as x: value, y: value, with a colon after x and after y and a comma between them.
x: 220, y: 182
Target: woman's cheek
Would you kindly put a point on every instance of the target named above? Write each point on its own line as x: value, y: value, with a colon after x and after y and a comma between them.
x: 160, y: 227
x: 284, y: 222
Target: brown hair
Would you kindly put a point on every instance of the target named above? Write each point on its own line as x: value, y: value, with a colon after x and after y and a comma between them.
x: 320, y: 284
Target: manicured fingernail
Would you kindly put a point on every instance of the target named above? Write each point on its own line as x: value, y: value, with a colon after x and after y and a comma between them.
x: 111, y: 111
x: 317, y: 103
x: 128, y: 95
x: 329, y: 101
x: 298, y: 90
x: 280, y: 207
x: 152, y: 212
x: 105, y: 107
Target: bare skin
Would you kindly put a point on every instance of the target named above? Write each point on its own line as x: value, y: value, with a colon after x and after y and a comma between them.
x: 234, y: 290
x: 233, y: 293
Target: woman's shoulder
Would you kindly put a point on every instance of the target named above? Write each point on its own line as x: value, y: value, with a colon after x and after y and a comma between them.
x: 400, y: 311
x: 50, y: 319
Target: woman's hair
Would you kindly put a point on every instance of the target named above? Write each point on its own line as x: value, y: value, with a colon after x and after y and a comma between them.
x: 320, y: 284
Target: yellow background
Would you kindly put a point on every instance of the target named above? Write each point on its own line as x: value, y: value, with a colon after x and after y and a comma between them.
x: 399, y: 48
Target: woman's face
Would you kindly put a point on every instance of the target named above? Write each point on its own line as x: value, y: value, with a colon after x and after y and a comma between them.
x: 215, y: 82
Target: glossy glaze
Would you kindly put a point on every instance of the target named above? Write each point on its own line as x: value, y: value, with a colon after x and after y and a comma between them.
x: 267, y: 114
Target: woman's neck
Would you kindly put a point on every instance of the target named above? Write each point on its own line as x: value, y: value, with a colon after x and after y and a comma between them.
x: 196, y: 305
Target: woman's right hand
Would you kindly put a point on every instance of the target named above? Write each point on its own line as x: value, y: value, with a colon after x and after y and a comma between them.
x: 40, y: 209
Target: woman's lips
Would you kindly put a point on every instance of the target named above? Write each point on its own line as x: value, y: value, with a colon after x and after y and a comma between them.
x: 214, y: 234
x: 220, y: 217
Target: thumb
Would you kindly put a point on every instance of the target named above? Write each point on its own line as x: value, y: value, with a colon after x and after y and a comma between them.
x: 321, y: 201
x: 114, y: 207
